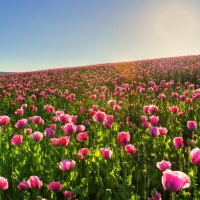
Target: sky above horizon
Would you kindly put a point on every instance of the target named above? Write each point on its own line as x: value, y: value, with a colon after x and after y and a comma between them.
x: 48, y: 34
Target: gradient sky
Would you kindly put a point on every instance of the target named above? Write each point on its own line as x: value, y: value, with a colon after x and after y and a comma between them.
x: 44, y: 34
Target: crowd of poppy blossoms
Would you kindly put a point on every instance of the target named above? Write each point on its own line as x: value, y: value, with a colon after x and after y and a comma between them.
x: 112, y: 131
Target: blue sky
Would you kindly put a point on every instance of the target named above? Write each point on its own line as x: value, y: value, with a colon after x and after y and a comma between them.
x: 49, y: 34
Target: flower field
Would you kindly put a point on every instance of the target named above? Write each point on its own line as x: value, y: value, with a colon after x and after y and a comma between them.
x: 112, y: 131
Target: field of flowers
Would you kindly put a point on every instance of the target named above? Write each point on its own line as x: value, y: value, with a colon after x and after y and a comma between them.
x: 114, y: 131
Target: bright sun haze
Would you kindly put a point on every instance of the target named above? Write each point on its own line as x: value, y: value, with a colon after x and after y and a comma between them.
x: 49, y: 34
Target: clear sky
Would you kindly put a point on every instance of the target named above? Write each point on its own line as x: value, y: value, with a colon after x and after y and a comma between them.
x: 43, y: 34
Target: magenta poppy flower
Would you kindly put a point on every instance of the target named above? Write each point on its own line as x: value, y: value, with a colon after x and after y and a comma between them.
x: 37, y: 120
x: 64, y: 118
x: 192, y: 125
x: 106, y: 153
x: 116, y: 107
x: 82, y: 110
x: 49, y: 108
x: 163, y: 165
x: 162, y: 130
x: 80, y: 128
x: 24, y: 106
x: 82, y: 153
x: 111, y: 103
x: 19, y: 112
x: 23, y: 186
x: 54, y: 141
x: 3, y: 183
x: 22, y: 123
x: 74, y: 118
x: 123, y: 138
x: 95, y: 107
x: 34, y: 182
x: 69, y: 128
x: 178, y: 142
x: 66, y: 165
x: 99, y: 117
x: 28, y: 131
x: 37, y: 136
x: 53, y: 126
x: 55, y: 186
x: 130, y: 149
x: 4, y: 120
x: 49, y: 132
x: 109, y: 119
x: 175, y: 95
x: 17, y: 140
x: 155, y: 196
x: 175, y: 180
x: 145, y: 109
x: 195, y: 156
x: 143, y: 118
x: 64, y: 141
x: 154, y: 131
x: 145, y: 124
x: 174, y: 109
x: 92, y: 112
x: 69, y: 194
x: 152, y: 109
x: 154, y: 120
x: 83, y: 136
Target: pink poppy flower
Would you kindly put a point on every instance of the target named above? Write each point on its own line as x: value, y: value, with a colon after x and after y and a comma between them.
x: 192, y: 125
x: 83, y: 136
x: 106, y: 153
x: 28, y: 131
x: 22, y: 123
x: 66, y: 165
x: 145, y: 109
x: 163, y: 165
x: 54, y: 141
x: 154, y: 120
x: 64, y: 141
x: 155, y: 196
x: 82, y: 153
x: 99, y: 117
x: 49, y: 132
x: 162, y: 130
x: 174, y: 109
x: 175, y: 180
x: 4, y: 120
x: 154, y: 131
x: 64, y: 118
x: 109, y: 119
x: 195, y: 156
x: 70, y: 195
x: 23, y: 186
x: 55, y: 186
x: 123, y: 138
x: 17, y: 140
x: 37, y: 120
x: 152, y: 109
x: 146, y: 124
x: 111, y: 103
x: 178, y: 142
x: 69, y: 128
x: 130, y: 149
x: 3, y: 183
x: 34, y: 182
x: 37, y: 136
x: 19, y: 112
x: 80, y: 128
x: 143, y: 118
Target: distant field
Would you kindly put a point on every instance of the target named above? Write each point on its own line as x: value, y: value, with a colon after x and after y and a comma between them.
x: 112, y: 131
